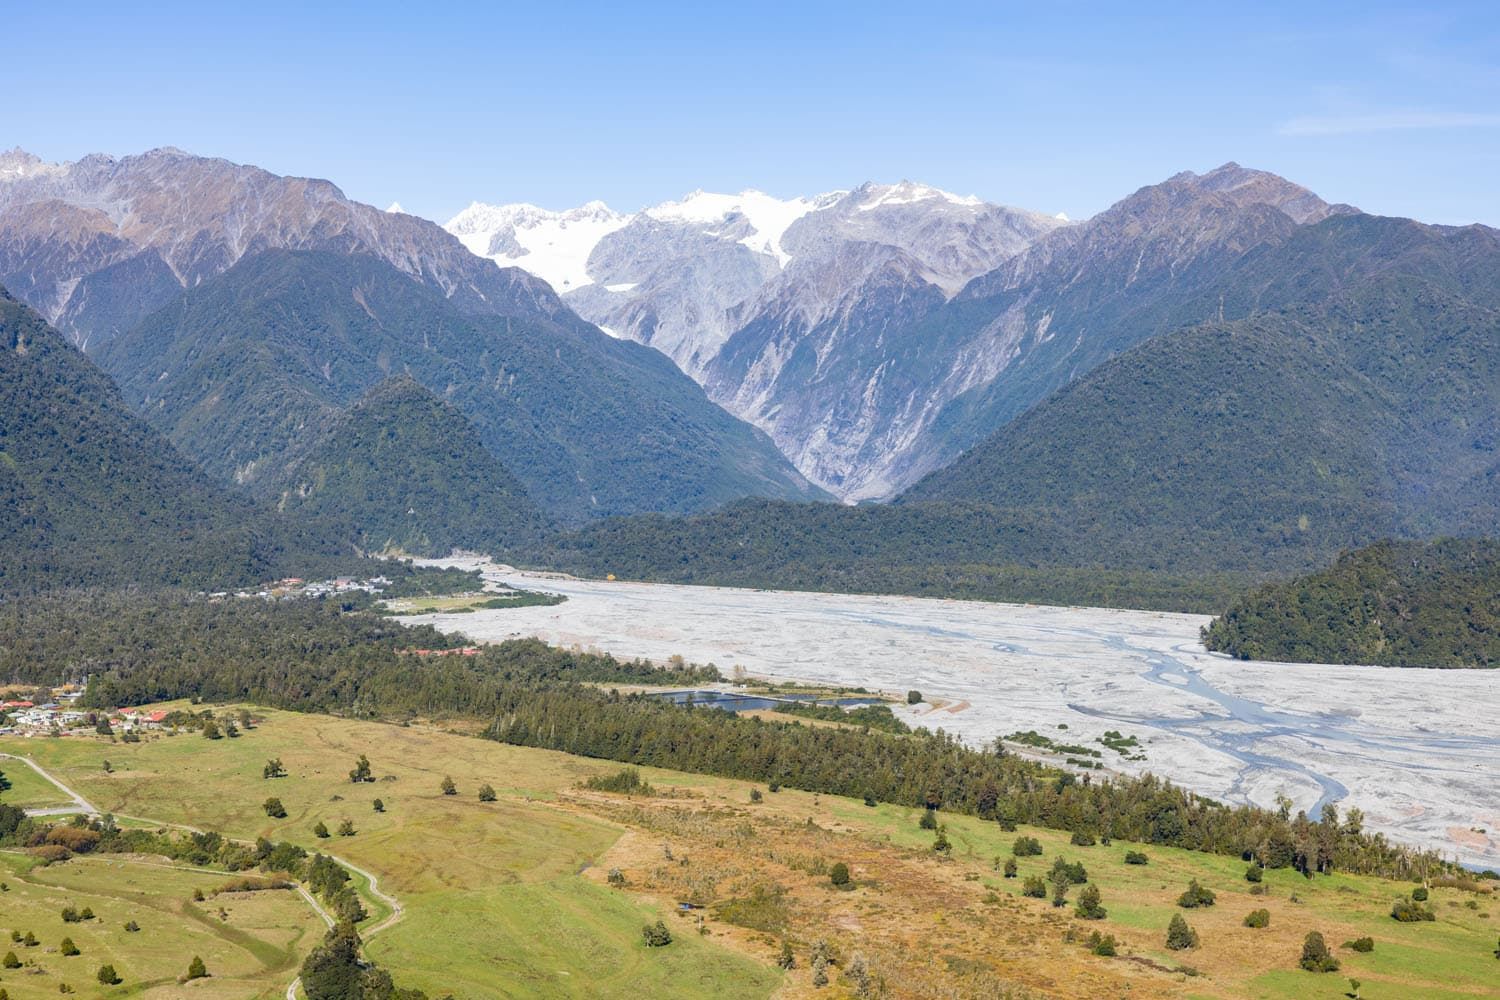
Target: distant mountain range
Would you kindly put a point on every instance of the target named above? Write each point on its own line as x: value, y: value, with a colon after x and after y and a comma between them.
x: 1220, y: 377
x: 787, y: 311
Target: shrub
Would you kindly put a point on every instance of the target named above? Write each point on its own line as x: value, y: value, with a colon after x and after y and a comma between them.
x: 1180, y: 936
x: 940, y: 843
x: 1082, y: 838
x: 448, y: 787
x: 1073, y: 872
x: 131, y: 927
x: 1258, y: 918
x: 346, y: 828
x: 755, y: 795
x: 378, y: 806
x: 626, y: 781
x: 1408, y: 912
x: 321, y: 830
x: 1035, y: 887
x: 839, y: 875
x: 786, y: 960
x: 928, y: 820
x: 1136, y: 858
x: 870, y: 800
x: 70, y: 915
x: 274, y: 808
x: 1088, y: 904
x: 616, y: 878
x: 1102, y: 944
x: 1253, y: 873
x: 914, y: 697
x: 1419, y: 894
x: 486, y: 793
x: 1195, y: 896
x: 1363, y: 945
x: 67, y: 947
x: 1010, y: 867
x: 1315, y: 956
x: 656, y: 935
x: 196, y: 968
x: 10, y: 961
x: 361, y: 772
x: 107, y: 975
x: 1026, y: 847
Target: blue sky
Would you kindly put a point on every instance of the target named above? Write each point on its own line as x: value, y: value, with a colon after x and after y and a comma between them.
x: 1392, y: 108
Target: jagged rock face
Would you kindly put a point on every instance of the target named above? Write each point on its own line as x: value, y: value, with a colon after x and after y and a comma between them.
x: 98, y: 244
x: 734, y: 287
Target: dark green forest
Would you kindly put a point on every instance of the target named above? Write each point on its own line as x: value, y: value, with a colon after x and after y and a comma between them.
x: 1401, y: 604
x: 310, y: 656
x: 412, y: 475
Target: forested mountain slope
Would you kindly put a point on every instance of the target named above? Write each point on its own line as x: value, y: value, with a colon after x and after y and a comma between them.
x: 411, y: 474
x: 1404, y: 604
x: 247, y: 370
x: 92, y: 495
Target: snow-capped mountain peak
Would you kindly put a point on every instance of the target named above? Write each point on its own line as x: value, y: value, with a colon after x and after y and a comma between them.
x: 554, y: 246
x: 873, y: 196
x: 768, y: 217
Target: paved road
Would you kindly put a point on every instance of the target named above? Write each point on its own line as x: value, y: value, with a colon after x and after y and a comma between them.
x: 81, y: 804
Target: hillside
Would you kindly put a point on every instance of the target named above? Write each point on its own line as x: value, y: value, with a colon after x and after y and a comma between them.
x: 411, y: 474
x: 1400, y: 604
x: 91, y: 495
x: 246, y: 370
x: 1278, y: 440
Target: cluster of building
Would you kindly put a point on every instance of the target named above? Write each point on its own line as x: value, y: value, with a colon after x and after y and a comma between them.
x: 61, y: 713
x: 295, y: 586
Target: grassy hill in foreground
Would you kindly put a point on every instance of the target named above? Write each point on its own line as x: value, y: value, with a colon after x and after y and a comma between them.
x: 411, y: 474
x: 1403, y: 604
x: 525, y: 908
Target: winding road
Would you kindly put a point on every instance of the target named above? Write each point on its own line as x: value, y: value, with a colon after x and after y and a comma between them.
x: 82, y: 805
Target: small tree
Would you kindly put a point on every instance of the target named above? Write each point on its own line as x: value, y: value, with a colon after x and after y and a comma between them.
x: 1180, y: 936
x: 448, y: 787
x: 1010, y: 867
x: 1082, y: 838
x: 839, y: 875
x: 131, y: 927
x: 1315, y: 955
x: 211, y: 730
x: 274, y: 808
x: 1136, y: 858
x: 928, y: 820
x: 941, y: 845
x: 346, y: 828
x: 67, y: 947
x: 1060, y: 885
x: 196, y: 969
x: 1034, y: 887
x: 914, y: 697
x: 755, y: 795
x: 487, y: 794
x: 1089, y: 907
x: 1102, y: 944
x: 656, y: 935
x: 1027, y: 847
x: 108, y: 767
x: 1253, y: 874
x: 1419, y: 894
x: 10, y: 961
x: 361, y: 772
x: 273, y: 769
x: 1195, y: 896
x: 786, y: 960
x: 1258, y: 918
x: 107, y: 975
x: 378, y: 806
x: 29, y: 940
x: 320, y: 830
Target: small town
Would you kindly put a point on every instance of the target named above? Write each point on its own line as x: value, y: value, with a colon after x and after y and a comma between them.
x: 60, y: 715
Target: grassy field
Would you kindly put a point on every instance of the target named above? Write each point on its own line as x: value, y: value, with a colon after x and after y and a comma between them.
x: 251, y: 943
x: 509, y: 898
x: 28, y: 789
